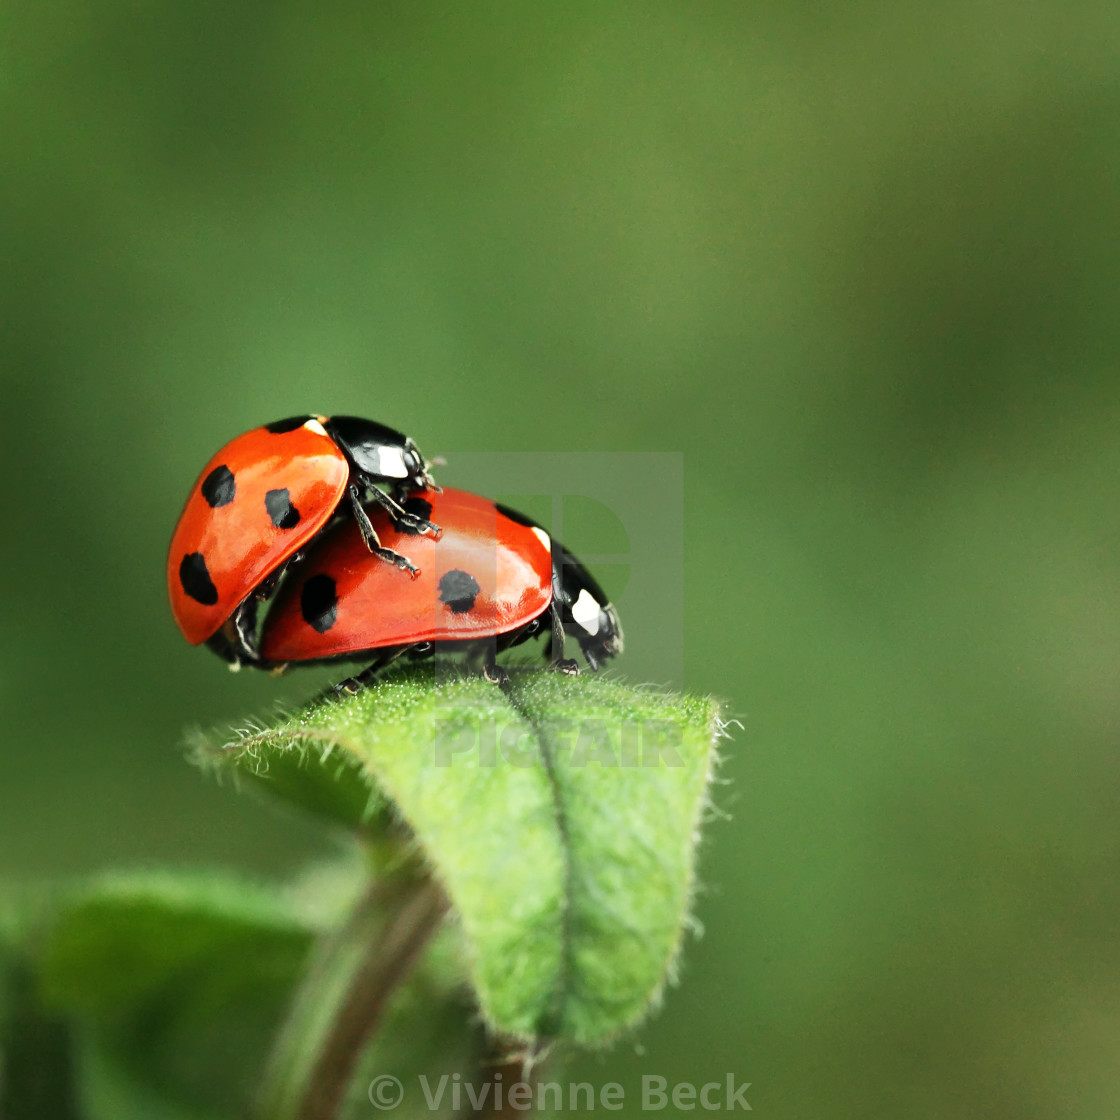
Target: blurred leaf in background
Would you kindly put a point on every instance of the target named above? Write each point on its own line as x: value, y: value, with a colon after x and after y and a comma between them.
x: 859, y: 263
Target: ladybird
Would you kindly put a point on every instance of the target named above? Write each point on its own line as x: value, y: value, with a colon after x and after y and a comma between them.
x: 493, y: 579
x: 263, y: 498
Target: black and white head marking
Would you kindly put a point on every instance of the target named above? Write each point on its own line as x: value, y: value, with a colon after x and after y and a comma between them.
x: 585, y: 612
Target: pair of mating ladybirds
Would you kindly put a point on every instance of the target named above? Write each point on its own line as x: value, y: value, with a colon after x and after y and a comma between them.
x: 338, y: 521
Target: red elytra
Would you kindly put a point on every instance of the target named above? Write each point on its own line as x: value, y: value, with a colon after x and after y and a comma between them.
x: 487, y: 575
x: 256, y: 503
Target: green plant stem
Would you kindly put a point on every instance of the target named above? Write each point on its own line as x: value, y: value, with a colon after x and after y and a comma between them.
x: 503, y: 1074
x: 343, y: 997
x: 37, y: 1065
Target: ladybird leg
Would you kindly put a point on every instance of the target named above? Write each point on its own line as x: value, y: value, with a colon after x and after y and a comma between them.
x: 241, y: 626
x: 566, y: 665
x: 426, y: 472
x: 557, y: 635
x: 402, y: 491
x: 268, y: 585
x: 399, y: 513
x: 221, y: 645
x: 373, y: 542
x: 402, y: 515
x: 355, y: 684
x: 426, y: 483
x: 492, y: 671
x: 244, y: 624
x: 235, y: 640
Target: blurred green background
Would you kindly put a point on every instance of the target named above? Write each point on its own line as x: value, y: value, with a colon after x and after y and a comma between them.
x: 859, y: 262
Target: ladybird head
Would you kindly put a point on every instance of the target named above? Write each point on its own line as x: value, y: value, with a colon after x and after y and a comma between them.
x: 378, y: 451
x: 420, y: 467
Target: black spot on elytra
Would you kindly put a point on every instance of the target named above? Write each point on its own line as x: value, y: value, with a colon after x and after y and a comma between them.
x: 284, y: 515
x: 420, y: 508
x: 318, y: 603
x: 219, y: 487
x: 279, y: 427
x: 458, y: 589
x: 195, y: 579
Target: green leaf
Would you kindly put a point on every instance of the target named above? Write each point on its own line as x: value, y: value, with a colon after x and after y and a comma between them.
x: 560, y: 817
x: 178, y: 981
x: 130, y: 936
x: 172, y: 987
x: 630, y: 771
x: 38, y: 1075
x: 329, y: 784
